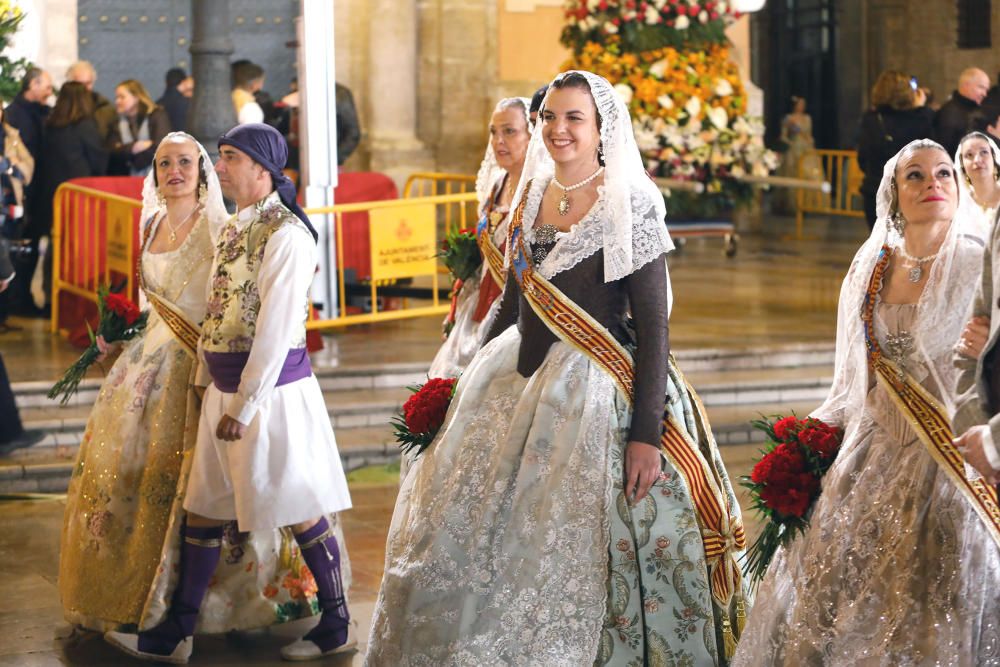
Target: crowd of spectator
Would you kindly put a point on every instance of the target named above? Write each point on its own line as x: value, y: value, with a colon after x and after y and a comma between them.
x: 83, y: 134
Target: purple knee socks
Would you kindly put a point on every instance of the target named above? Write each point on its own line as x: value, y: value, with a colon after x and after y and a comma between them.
x: 200, y: 550
x: 322, y: 555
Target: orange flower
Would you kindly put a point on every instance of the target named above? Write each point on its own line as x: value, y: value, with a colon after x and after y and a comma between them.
x: 302, y: 586
x: 270, y: 591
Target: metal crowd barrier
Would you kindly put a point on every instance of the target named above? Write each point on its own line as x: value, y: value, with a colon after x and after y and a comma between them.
x: 840, y: 169
x: 458, y: 216
x: 405, y: 238
x: 93, y: 241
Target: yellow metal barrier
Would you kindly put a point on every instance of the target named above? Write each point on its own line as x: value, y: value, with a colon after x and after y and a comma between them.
x: 100, y: 242
x: 98, y: 228
x: 840, y: 169
x: 458, y: 216
x: 392, y: 223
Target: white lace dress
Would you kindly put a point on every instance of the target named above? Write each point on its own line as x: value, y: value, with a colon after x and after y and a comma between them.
x: 896, y: 568
x: 511, y: 542
x: 466, y: 336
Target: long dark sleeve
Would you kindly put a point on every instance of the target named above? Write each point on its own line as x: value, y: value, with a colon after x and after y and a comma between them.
x: 507, y: 315
x: 647, y: 294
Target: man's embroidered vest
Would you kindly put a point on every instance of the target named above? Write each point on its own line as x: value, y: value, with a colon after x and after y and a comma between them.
x: 234, y: 302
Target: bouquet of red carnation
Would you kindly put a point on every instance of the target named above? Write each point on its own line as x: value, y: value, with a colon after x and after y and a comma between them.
x: 460, y: 254
x: 119, y: 319
x: 423, y: 414
x: 784, y: 483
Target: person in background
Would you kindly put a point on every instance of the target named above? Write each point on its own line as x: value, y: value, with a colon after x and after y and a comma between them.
x: 16, y: 169
x: 348, y: 128
x: 797, y: 141
x: 105, y: 114
x: 72, y: 149
x: 174, y: 101
x: 536, y: 102
x: 28, y: 111
x: 248, y: 79
x: 953, y: 119
x: 27, y: 114
x: 894, y: 120
x: 142, y: 124
x: 12, y: 433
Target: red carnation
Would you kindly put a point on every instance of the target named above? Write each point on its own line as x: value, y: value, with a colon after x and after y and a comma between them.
x: 822, y: 440
x: 790, y: 494
x: 122, y: 307
x: 424, y: 412
x: 785, y: 428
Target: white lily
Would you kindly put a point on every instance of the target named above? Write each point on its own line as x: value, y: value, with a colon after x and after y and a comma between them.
x: 723, y: 87
x: 624, y: 91
x: 718, y: 117
x: 693, y: 106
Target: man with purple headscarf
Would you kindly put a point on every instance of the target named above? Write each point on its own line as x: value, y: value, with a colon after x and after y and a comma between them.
x: 266, y: 454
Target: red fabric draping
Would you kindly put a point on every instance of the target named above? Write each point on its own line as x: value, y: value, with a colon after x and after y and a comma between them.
x: 354, y: 187
x: 84, y: 230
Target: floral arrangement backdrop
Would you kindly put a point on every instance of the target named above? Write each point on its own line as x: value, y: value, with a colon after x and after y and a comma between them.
x: 669, y: 60
x: 11, y: 70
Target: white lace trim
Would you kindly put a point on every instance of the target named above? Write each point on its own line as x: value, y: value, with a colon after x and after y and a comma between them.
x: 649, y: 234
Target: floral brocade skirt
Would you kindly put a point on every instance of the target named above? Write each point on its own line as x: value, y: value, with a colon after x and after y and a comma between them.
x: 120, y: 551
x: 512, y: 543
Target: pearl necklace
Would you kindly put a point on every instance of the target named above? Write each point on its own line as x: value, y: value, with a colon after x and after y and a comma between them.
x: 916, y: 270
x: 564, y: 200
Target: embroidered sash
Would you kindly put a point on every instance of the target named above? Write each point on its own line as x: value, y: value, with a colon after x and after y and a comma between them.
x: 722, y: 533
x: 492, y: 257
x: 924, y: 413
x: 494, y: 278
x: 184, y: 330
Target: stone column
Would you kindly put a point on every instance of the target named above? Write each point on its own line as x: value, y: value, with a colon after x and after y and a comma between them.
x: 392, y: 91
x: 212, y: 112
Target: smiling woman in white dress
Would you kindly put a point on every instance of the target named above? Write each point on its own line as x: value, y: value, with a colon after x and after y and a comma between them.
x: 573, y: 510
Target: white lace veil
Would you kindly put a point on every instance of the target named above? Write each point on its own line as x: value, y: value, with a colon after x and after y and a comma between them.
x: 489, y: 171
x: 213, y: 208
x: 635, y: 230
x: 942, y: 310
x: 968, y: 208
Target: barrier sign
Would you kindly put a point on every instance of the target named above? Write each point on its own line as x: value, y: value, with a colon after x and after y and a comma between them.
x: 119, y: 231
x: 403, y: 241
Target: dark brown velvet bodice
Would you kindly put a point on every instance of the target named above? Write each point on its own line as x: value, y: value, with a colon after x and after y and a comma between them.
x: 643, y: 293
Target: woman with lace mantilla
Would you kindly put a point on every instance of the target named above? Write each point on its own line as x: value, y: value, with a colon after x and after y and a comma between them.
x: 898, y: 566
x: 499, y: 173
x: 552, y: 521
x: 123, y: 528
x: 978, y: 163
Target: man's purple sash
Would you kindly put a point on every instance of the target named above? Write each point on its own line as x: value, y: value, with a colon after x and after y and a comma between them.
x: 227, y: 368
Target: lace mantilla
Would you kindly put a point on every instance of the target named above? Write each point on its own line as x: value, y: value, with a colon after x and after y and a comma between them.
x: 587, y: 236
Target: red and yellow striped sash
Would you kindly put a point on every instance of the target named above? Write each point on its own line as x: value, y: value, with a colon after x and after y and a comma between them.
x: 185, y: 331
x: 927, y: 418
x: 922, y: 411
